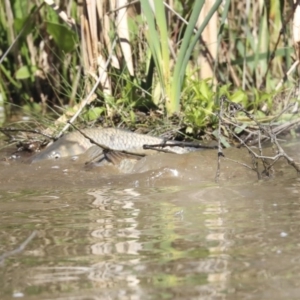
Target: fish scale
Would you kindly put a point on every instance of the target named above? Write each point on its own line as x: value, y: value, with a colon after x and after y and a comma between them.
x: 75, y: 143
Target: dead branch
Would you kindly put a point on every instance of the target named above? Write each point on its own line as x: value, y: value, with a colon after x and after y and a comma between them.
x: 263, y: 132
x: 19, y: 249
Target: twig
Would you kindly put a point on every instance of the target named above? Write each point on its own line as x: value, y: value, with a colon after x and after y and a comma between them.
x: 220, y: 149
x: 281, y: 153
x: 289, y: 72
x: 268, y: 133
x: 89, y: 138
x: 5, y: 129
x: 104, y: 147
x: 239, y: 163
x: 178, y: 144
x: 123, y: 6
x: 266, y: 165
x: 155, y: 147
x: 19, y: 249
x: 277, y: 130
x: 288, y: 158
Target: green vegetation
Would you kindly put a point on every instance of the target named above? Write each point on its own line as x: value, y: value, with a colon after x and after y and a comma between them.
x: 148, y: 64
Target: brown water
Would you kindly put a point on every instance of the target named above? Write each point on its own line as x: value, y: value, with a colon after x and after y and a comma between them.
x: 169, y: 232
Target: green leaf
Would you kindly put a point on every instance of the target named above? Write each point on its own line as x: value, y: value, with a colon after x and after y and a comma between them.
x: 189, y: 130
x: 20, y: 8
x: 134, y: 25
x: 239, y: 129
x: 31, y: 107
x: 132, y: 117
x: 52, y: 16
x: 239, y: 97
x: 153, y: 39
x: 188, y: 43
x: 205, y: 91
x: 25, y: 72
x: 260, y: 114
x: 64, y: 38
x: 19, y: 24
x: 221, y: 138
x: 93, y: 113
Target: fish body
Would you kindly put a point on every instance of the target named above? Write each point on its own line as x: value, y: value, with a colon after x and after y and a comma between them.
x: 75, y: 143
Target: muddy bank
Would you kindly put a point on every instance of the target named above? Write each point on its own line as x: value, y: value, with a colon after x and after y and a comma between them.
x: 157, y: 170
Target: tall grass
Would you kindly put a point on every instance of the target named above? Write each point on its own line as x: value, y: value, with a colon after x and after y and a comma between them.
x: 140, y: 54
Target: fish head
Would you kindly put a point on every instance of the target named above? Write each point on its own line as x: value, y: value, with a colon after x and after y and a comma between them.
x: 57, y: 150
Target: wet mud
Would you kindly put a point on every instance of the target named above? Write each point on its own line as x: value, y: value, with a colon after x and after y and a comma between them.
x: 161, y: 169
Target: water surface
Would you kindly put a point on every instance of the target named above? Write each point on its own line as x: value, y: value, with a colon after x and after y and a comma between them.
x: 166, y: 233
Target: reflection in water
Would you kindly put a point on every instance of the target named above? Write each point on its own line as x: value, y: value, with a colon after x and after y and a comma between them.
x: 110, y: 240
x: 110, y: 231
x: 125, y: 243
x: 217, y: 236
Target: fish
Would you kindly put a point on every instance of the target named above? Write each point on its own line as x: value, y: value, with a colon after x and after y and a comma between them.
x: 109, y: 139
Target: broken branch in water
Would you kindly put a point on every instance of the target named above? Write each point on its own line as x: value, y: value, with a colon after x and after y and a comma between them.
x: 28, y: 143
x: 263, y: 132
x: 19, y: 249
x: 177, y: 144
x: 220, y: 149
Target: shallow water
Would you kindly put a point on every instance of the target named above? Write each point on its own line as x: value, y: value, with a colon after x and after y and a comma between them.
x: 161, y: 234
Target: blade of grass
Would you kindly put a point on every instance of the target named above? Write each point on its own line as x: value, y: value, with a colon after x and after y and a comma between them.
x: 165, y: 52
x: 152, y: 36
x: 186, y: 49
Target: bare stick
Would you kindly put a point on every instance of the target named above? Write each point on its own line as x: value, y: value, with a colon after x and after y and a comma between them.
x: 19, y: 249
x: 123, y: 6
x: 7, y: 129
x: 89, y: 138
x: 289, y: 72
x: 178, y: 144
x: 281, y: 153
x: 239, y: 163
x: 104, y: 147
x: 267, y: 162
x: 220, y: 149
x: 157, y: 146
